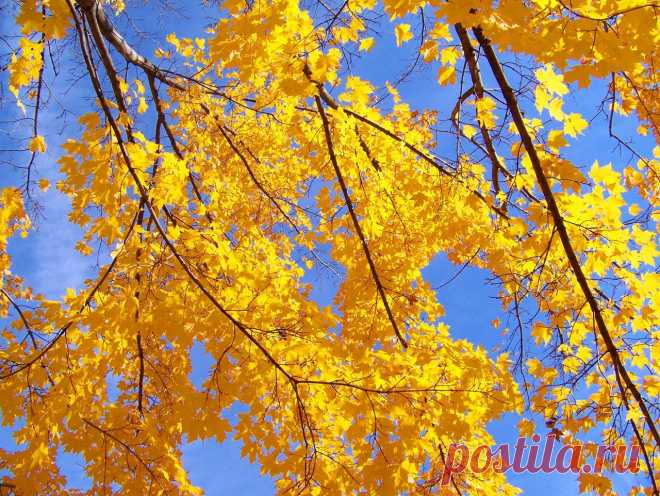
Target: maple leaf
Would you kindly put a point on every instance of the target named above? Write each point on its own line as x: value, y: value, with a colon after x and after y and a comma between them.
x: 38, y: 144
x: 402, y: 33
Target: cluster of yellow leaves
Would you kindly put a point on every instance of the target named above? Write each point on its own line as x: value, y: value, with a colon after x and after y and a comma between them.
x: 25, y: 66
x: 12, y: 218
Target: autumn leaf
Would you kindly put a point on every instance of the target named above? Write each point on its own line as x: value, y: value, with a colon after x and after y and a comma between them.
x: 574, y: 124
x: 38, y: 144
x: 366, y: 44
x: 402, y: 33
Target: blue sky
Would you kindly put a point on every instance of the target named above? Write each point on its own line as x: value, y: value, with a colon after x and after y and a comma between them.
x: 50, y: 264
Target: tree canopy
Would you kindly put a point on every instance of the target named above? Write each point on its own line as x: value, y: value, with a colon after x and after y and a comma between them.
x: 217, y: 170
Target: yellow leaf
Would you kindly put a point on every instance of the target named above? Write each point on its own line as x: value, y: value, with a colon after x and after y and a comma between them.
x: 429, y: 50
x: 39, y: 455
x: 44, y: 184
x: 366, y: 44
x: 447, y: 75
x: 402, y: 33
x: 469, y: 131
x: 173, y: 40
x: 552, y: 81
x: 449, y: 56
x: 324, y: 65
x: 441, y: 32
x: 485, y: 111
x: 358, y: 91
x: 123, y: 86
x: 38, y: 144
x: 541, y: 333
x: 556, y: 140
x: 574, y: 124
x: 142, y: 106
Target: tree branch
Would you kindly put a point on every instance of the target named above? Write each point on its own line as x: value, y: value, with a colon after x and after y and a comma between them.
x: 574, y: 263
x: 356, y: 224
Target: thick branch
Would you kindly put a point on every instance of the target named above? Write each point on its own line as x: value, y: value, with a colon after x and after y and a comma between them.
x: 544, y: 185
x: 94, y: 8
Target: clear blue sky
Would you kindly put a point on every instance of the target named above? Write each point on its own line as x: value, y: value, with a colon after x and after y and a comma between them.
x: 50, y: 264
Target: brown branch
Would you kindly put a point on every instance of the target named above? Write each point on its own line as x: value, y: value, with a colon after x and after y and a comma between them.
x: 610, y: 125
x: 468, y: 52
x: 144, y: 196
x: 63, y: 330
x: 130, y: 450
x: 356, y: 224
x: 457, y: 108
x: 253, y: 177
x: 367, y: 150
x: 444, y: 169
x: 37, y: 106
x: 305, y: 423
x: 544, y: 185
x: 39, y: 355
x: 94, y: 9
x: 138, y: 340
x: 396, y: 390
x: 21, y: 315
x: 617, y: 13
x: 172, y: 139
x: 29, y: 331
x: 107, y: 272
x: 649, y: 113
